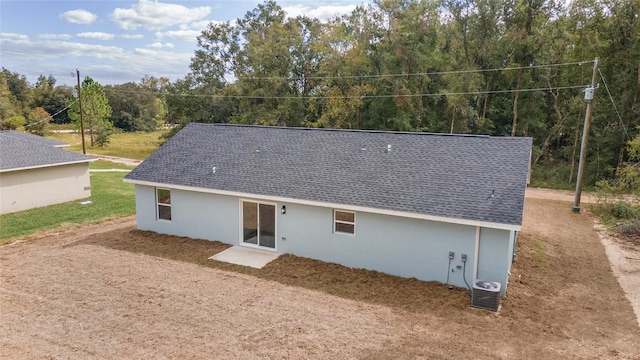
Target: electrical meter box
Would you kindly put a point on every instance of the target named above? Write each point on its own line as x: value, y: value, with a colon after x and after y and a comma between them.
x: 588, y: 93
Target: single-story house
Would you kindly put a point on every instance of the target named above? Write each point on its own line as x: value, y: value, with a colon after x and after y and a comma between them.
x: 431, y: 206
x: 36, y: 172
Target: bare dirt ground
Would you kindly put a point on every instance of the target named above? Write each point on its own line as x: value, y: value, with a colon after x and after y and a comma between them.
x: 624, y: 255
x: 559, y: 195
x: 119, y: 160
x: 110, y: 291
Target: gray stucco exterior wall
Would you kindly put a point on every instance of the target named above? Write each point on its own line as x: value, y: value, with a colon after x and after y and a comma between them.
x: 194, y: 214
x: 26, y: 189
x: 390, y: 244
x: 393, y: 245
x: 494, y: 256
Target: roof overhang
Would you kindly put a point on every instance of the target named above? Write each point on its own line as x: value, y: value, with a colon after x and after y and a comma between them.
x: 47, y: 165
x: 280, y: 199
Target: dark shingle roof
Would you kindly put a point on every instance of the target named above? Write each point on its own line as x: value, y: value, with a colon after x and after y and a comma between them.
x: 18, y: 151
x: 33, y: 138
x: 450, y: 176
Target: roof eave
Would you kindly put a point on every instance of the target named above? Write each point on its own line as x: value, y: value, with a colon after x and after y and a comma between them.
x: 47, y: 165
x: 486, y: 224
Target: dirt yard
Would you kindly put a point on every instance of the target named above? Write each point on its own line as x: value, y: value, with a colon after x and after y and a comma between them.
x: 110, y: 291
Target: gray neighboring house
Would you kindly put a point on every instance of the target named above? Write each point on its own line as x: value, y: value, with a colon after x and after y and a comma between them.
x: 36, y: 172
x: 395, y: 202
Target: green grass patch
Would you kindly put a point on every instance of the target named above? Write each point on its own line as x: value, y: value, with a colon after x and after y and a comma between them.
x: 110, y: 198
x: 52, y: 127
x: 137, y: 145
x: 540, y: 250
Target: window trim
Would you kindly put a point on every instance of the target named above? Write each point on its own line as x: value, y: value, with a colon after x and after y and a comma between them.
x: 158, y: 204
x: 336, y: 221
x: 241, y: 241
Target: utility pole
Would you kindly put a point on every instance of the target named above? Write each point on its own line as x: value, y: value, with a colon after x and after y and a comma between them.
x: 588, y: 95
x: 84, y: 151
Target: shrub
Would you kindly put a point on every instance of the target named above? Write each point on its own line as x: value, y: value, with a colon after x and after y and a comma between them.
x: 611, y: 211
x: 629, y: 228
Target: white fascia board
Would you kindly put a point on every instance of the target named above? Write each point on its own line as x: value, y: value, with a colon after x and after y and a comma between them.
x: 330, y: 205
x: 48, y: 165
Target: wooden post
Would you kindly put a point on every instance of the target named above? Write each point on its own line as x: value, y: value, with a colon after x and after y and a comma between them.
x: 84, y: 151
x: 589, y: 95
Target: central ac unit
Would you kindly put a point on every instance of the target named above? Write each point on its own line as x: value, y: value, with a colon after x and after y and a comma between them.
x: 486, y: 295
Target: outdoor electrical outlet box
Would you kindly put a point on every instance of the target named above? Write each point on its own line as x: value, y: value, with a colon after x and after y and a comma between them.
x: 588, y: 93
x: 451, y: 254
x: 464, y: 257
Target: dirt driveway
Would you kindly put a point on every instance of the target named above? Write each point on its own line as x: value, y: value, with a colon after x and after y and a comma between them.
x: 110, y: 291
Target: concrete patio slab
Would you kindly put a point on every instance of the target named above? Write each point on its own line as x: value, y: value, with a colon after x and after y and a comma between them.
x: 245, y: 256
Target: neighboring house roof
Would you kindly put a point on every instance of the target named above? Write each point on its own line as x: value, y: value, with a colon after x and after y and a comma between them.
x: 34, y: 138
x: 465, y: 179
x: 21, y: 151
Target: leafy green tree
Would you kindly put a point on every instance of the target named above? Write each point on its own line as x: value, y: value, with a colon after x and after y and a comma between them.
x: 96, y: 111
x: 51, y: 98
x: 104, y: 130
x: 20, y: 91
x: 462, y: 66
x: 134, y: 108
x: 7, y: 107
x: 37, y: 121
x: 13, y: 123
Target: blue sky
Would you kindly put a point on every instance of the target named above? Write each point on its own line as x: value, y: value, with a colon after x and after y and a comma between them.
x: 120, y: 41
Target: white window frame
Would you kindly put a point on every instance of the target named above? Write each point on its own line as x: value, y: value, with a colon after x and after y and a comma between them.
x: 158, y: 204
x: 336, y: 221
x: 241, y: 218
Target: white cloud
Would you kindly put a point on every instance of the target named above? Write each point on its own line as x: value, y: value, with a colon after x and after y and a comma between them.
x: 145, y: 52
x: 21, y: 50
x: 96, y: 35
x: 154, y: 15
x: 55, y: 36
x: 323, y: 12
x: 159, y: 45
x: 186, y: 35
x: 201, y: 25
x: 13, y: 37
x: 106, y: 65
x: 133, y: 37
x: 78, y: 17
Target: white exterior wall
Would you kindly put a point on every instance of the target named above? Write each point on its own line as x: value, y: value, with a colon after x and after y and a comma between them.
x: 393, y: 245
x: 495, y: 256
x: 26, y: 189
x: 195, y: 215
x: 390, y: 244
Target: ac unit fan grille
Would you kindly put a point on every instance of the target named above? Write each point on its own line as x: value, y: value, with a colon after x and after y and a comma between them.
x: 486, y: 295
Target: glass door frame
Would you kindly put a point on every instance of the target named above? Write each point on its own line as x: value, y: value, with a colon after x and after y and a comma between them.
x: 275, y: 224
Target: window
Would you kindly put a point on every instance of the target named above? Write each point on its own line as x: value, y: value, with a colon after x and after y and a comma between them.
x: 163, y: 199
x: 344, y: 222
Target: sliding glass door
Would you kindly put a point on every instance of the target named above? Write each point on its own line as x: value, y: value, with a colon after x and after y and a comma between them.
x: 259, y: 224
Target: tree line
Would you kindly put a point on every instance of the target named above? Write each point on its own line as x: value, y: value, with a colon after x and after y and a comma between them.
x: 496, y: 67
x: 106, y: 109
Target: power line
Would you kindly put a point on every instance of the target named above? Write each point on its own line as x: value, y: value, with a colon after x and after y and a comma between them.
x: 614, y: 104
x: 217, y: 96
x: 384, y: 76
x: 50, y: 116
x: 379, y: 96
x: 425, y: 73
